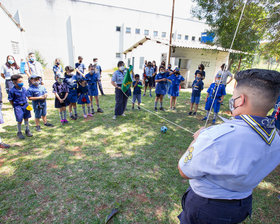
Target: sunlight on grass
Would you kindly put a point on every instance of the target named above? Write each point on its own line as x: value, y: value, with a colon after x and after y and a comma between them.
x: 264, y: 185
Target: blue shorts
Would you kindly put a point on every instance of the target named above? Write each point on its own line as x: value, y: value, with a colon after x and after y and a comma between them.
x: 216, y: 105
x: 21, y: 113
x: 136, y: 97
x: 40, y: 110
x: 195, y: 99
x: 93, y: 90
x: 72, y: 96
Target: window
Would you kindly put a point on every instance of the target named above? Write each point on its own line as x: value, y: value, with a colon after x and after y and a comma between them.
x: 193, y: 38
x: 146, y: 32
x: 186, y: 37
x: 163, y: 34
x: 141, y: 63
x: 118, y: 28
x: 137, y: 31
x: 15, y: 47
x: 118, y: 55
x: 155, y: 33
x: 179, y: 37
x: 128, y: 30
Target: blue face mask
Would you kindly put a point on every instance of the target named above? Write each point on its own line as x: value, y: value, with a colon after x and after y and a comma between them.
x: 162, y: 72
x: 11, y: 62
x: 32, y: 59
x: 20, y: 85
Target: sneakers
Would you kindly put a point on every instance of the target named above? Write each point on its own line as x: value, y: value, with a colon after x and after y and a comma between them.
x: 90, y: 115
x: 99, y: 110
x: 114, y: 117
x: 123, y: 115
x: 139, y: 108
x: 162, y: 109
x: 144, y: 94
x: 62, y: 122
x: 4, y: 146
x: 194, y: 113
x: 190, y: 113
x: 92, y: 111
x: 132, y: 108
x: 38, y: 128
x: 76, y: 116
x: 214, y: 121
x: 20, y: 135
x: 48, y: 124
x: 85, y: 116
x: 28, y: 133
x: 204, y: 119
x: 156, y: 109
x: 73, y: 117
x: 65, y: 121
x: 151, y: 95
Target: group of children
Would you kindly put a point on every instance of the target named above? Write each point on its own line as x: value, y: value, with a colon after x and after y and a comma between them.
x: 69, y: 89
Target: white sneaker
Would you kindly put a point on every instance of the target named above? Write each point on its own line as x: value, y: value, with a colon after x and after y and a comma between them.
x: 123, y: 115
x: 115, y: 117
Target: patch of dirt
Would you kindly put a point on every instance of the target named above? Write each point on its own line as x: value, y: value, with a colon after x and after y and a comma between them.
x: 52, y: 166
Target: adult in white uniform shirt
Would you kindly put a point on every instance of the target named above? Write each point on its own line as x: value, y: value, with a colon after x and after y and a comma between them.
x: 33, y: 67
x: 226, y: 162
x: 224, y: 74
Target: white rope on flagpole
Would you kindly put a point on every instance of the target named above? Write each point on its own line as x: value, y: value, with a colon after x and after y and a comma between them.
x: 224, y: 69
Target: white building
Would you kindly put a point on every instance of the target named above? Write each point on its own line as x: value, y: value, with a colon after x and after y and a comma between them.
x: 186, y: 55
x: 93, y: 28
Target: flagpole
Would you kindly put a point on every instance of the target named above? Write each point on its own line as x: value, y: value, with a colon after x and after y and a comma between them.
x: 171, y: 29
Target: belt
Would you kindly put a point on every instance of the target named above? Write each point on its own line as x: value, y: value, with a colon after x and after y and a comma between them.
x: 230, y: 201
x: 72, y: 88
x: 20, y: 104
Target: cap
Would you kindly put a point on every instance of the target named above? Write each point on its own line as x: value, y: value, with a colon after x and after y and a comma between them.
x: 35, y: 76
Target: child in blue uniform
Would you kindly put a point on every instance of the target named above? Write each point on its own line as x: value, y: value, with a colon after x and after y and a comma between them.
x: 160, y: 79
x: 137, y: 85
x: 83, y: 98
x: 72, y: 98
x: 175, y: 80
x: 17, y: 97
x: 80, y: 69
x: 92, y: 79
x: 38, y: 94
x: 60, y: 90
x: 211, y: 92
x: 197, y: 87
x: 57, y: 68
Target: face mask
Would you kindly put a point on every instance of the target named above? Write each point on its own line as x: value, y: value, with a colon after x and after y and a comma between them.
x: 36, y: 83
x: 169, y: 67
x: 20, y: 85
x: 122, y: 68
x: 231, y: 104
x: 95, y: 63
x: 217, y: 81
x: 91, y: 71
x: 32, y: 59
x: 11, y: 62
x: 162, y: 72
x: 58, y: 63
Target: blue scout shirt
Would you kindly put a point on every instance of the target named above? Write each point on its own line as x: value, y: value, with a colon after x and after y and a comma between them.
x: 98, y: 71
x: 18, y: 96
x: 118, y: 77
x: 71, y: 81
x: 228, y: 161
x: 57, y: 68
x: 91, y: 78
x: 161, y: 86
x: 149, y: 71
x: 81, y: 67
x: 212, y: 91
x: 60, y: 89
x: 36, y: 91
x: 83, y: 90
x: 137, y: 89
x: 197, y: 87
x: 175, y: 83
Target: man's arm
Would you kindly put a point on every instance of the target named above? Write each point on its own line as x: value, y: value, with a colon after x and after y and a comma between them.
x: 231, y: 78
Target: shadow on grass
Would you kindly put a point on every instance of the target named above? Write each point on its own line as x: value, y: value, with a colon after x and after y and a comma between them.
x: 79, y: 172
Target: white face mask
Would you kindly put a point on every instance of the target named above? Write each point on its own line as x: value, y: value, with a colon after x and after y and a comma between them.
x: 95, y: 63
x: 122, y: 68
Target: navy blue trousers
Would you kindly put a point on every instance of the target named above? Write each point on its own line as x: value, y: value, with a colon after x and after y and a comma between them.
x: 200, y: 210
x: 121, y: 101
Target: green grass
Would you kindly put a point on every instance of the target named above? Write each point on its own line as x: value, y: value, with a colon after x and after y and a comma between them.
x: 79, y: 172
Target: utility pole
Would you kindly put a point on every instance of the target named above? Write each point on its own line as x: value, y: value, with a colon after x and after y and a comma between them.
x: 171, y: 29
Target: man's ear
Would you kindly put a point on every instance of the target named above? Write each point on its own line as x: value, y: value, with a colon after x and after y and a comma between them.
x: 241, y: 100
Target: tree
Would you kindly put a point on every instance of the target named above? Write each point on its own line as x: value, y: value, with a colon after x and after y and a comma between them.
x: 222, y: 16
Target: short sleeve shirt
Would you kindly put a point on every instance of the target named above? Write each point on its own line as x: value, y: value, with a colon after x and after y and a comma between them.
x: 137, y: 89
x: 213, y: 88
x: 9, y: 71
x: 228, y: 161
x: 36, y: 91
x: 60, y: 88
x: 224, y: 75
x: 149, y: 71
x: 118, y: 77
x: 197, y: 87
x: 18, y: 96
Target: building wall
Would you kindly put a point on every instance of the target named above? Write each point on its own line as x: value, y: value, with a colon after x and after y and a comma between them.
x: 93, y: 28
x: 11, y: 40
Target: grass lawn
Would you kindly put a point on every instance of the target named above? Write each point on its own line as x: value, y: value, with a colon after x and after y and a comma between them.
x: 79, y: 172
